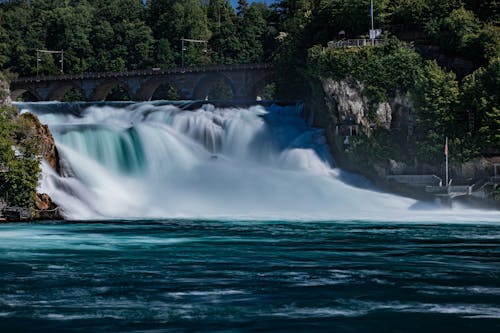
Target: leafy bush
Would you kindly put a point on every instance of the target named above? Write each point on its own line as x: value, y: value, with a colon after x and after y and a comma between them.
x: 19, y: 158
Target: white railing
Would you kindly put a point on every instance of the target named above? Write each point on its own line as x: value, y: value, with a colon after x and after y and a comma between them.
x: 355, y: 43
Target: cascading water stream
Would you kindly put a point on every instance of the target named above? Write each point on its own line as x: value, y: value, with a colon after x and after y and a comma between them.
x: 155, y: 160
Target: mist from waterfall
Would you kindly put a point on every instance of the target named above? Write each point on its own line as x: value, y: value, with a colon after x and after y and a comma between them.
x: 156, y: 160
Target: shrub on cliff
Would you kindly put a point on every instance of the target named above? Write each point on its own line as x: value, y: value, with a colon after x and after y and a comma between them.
x: 19, y: 159
x: 384, y: 71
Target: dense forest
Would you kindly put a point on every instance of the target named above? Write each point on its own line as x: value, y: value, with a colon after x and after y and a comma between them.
x: 115, y: 35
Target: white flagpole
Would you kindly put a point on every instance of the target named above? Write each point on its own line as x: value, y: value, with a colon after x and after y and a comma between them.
x: 371, y: 12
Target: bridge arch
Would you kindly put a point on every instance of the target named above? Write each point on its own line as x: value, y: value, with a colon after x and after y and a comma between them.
x: 202, y: 88
x: 258, y: 87
x: 151, y: 87
x: 59, y: 92
x: 15, y: 94
x: 102, y: 91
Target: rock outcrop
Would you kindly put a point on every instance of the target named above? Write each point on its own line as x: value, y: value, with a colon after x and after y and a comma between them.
x: 349, y: 103
x: 46, y: 209
x: 335, y: 102
x: 346, y: 96
x: 47, y: 144
x: 4, y: 92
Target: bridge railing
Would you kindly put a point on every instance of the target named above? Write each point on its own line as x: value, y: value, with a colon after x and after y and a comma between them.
x: 144, y: 72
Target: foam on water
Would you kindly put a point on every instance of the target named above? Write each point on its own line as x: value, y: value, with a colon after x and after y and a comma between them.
x: 155, y: 160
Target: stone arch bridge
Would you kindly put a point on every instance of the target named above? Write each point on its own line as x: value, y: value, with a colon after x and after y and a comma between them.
x: 245, y: 81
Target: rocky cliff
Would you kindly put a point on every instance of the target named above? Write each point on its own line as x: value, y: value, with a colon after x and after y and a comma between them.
x: 48, y: 149
x: 337, y: 102
x: 348, y: 102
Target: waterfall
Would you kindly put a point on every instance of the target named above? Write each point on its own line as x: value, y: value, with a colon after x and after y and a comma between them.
x: 156, y: 160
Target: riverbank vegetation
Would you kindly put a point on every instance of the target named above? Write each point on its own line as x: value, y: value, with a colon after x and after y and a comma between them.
x: 117, y: 35
x: 442, y: 104
x: 20, y: 155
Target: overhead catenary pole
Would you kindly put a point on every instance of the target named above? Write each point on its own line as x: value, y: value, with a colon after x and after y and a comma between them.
x: 62, y: 61
x: 37, y: 62
x: 38, y: 59
x: 200, y: 41
x: 446, y: 154
x: 182, y: 51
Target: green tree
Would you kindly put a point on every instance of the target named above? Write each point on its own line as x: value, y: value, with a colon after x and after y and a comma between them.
x: 251, y: 33
x: 224, y: 43
x: 164, y: 56
x: 436, y: 111
x: 137, y: 40
x: 459, y: 31
x: 480, y: 96
x: 22, y: 165
x: 490, y: 132
x: 242, y: 7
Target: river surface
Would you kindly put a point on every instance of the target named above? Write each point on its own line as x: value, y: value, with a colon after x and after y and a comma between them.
x: 201, y: 218
x: 248, y: 276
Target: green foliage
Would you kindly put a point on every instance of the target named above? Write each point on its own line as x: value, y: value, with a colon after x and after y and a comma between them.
x: 459, y: 30
x: 252, y: 27
x: 490, y: 131
x: 384, y: 71
x: 166, y: 92
x: 220, y: 90
x: 73, y: 95
x: 381, y: 146
x: 118, y: 93
x: 118, y: 35
x: 21, y: 165
x: 269, y: 92
x: 225, y: 44
x: 480, y: 97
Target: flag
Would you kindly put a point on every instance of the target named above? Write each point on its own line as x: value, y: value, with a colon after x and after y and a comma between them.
x: 446, y: 147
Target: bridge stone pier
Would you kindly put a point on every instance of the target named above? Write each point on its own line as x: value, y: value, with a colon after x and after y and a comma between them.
x: 245, y: 81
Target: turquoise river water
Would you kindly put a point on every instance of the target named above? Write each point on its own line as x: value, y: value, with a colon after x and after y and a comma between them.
x: 189, y: 217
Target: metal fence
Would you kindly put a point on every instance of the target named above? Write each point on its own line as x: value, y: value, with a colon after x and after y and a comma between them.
x: 355, y: 43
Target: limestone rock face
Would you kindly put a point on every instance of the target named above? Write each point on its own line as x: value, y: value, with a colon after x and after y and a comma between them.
x: 401, y: 107
x: 397, y: 168
x: 47, y: 143
x: 384, y: 115
x: 350, y: 104
x: 50, y: 153
x: 347, y: 95
x: 4, y: 93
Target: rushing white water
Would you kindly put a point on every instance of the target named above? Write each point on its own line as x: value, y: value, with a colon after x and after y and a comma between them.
x: 154, y: 160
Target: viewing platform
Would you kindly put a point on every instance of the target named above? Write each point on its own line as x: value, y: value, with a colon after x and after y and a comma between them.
x: 449, y: 191
x: 432, y: 185
x: 345, y: 43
